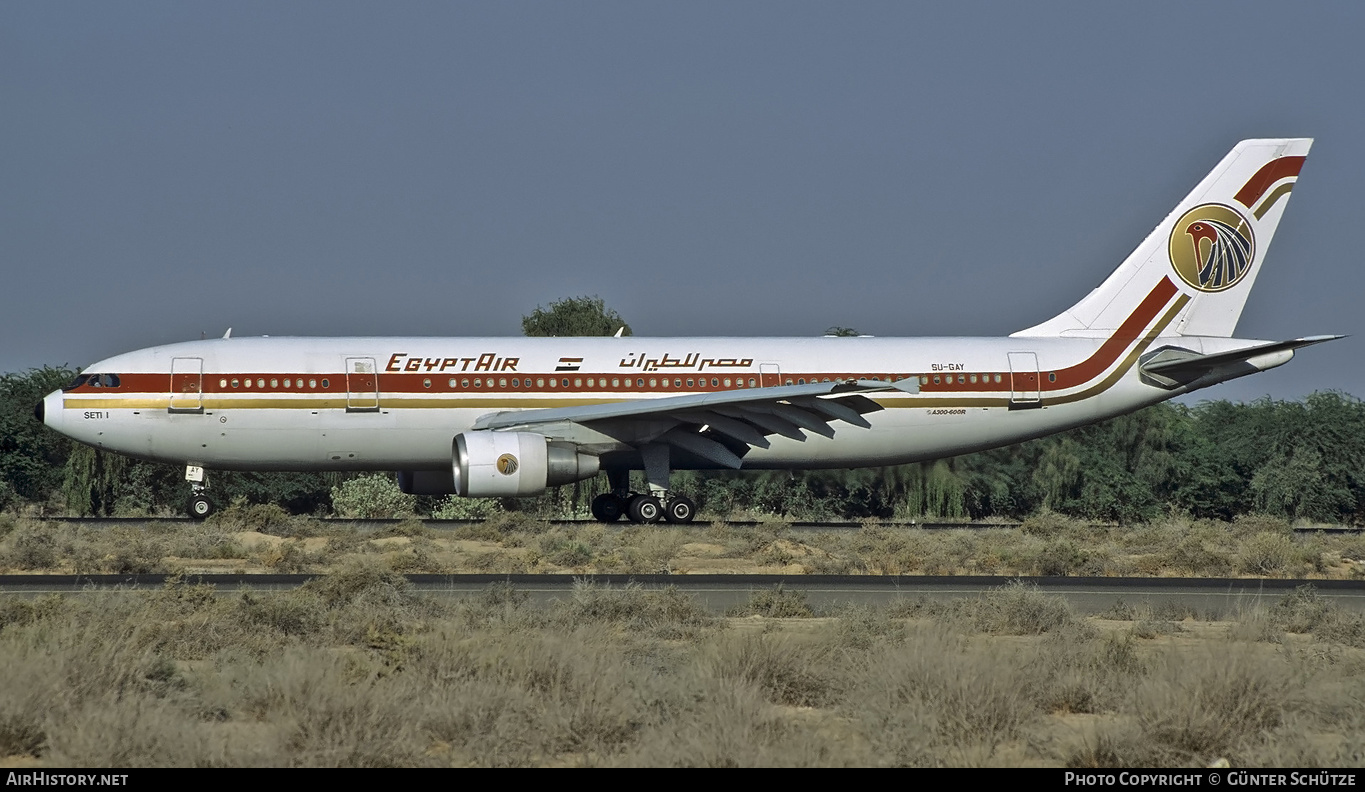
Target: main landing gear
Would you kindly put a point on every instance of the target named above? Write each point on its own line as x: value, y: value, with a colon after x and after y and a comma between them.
x: 641, y: 508
x: 200, y: 506
x: 610, y: 507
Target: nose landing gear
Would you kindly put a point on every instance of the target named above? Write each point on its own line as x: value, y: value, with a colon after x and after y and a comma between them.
x: 200, y: 506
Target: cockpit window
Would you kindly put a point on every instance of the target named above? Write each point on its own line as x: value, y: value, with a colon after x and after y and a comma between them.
x: 94, y: 381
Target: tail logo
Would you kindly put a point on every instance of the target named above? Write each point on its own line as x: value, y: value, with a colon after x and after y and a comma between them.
x: 1212, y: 247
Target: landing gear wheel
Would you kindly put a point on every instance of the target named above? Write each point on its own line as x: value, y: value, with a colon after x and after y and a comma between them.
x: 607, y: 508
x: 644, y: 509
x: 200, y: 507
x: 680, y: 510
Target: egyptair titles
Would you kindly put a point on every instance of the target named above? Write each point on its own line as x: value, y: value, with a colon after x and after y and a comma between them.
x: 400, y: 362
x: 692, y: 360
x: 488, y: 361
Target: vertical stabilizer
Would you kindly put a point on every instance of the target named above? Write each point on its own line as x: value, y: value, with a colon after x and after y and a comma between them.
x: 1207, y: 250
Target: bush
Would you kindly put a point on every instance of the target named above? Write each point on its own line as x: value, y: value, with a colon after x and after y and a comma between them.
x: 1304, y: 611
x: 1047, y: 523
x: 1266, y: 553
x: 777, y: 602
x: 503, y: 523
x: 453, y: 507
x: 1021, y: 609
x: 788, y: 671
x: 1200, y: 709
x: 666, y: 612
x: 372, y: 497
x: 1059, y: 558
x: 31, y: 546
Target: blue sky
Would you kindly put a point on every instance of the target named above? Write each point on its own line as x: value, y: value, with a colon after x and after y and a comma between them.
x: 755, y: 168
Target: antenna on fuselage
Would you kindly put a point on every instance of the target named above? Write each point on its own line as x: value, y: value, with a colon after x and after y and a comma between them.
x: 228, y: 334
x: 619, y: 331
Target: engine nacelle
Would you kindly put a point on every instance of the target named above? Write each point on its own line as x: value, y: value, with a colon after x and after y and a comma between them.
x: 515, y: 464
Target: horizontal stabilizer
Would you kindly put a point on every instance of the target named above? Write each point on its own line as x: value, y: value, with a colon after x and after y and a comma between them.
x: 1175, y: 366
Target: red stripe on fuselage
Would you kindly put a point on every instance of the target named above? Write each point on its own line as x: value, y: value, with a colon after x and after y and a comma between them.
x: 1113, y: 347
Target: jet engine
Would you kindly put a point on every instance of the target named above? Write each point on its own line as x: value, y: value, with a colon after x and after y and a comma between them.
x: 517, y: 464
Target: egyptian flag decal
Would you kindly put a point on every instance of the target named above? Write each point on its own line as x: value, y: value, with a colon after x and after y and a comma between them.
x: 569, y: 364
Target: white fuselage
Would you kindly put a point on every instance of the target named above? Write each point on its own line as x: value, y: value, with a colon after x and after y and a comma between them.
x: 396, y: 403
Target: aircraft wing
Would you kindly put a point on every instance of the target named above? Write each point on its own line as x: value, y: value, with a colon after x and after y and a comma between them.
x: 715, y: 426
x: 1183, y: 366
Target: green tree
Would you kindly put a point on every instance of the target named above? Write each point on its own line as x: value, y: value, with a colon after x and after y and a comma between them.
x: 842, y: 332
x: 574, y: 316
x: 31, y: 455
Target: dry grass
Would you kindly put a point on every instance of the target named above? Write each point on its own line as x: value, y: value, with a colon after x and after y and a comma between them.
x: 265, y: 539
x: 357, y: 670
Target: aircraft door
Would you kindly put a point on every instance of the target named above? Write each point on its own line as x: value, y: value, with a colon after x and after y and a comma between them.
x: 770, y: 375
x: 362, y: 385
x: 187, y: 385
x: 1024, y: 381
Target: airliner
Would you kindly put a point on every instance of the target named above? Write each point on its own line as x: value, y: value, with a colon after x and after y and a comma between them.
x: 510, y: 417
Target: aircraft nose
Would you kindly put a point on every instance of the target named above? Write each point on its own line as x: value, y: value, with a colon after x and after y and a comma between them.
x: 38, y: 412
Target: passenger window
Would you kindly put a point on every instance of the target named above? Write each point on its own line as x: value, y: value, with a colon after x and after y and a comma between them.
x: 789, y: 382
x: 652, y: 383
x: 689, y: 382
x: 997, y: 377
x: 936, y: 379
x: 247, y: 383
x: 592, y: 383
x: 516, y: 382
x: 490, y: 382
x: 616, y: 383
x: 312, y: 383
x: 973, y: 379
x: 639, y: 383
x: 222, y: 383
x: 540, y: 382
x: 1052, y: 376
x: 452, y: 382
x: 326, y: 384
x: 961, y: 378
x: 715, y: 383
x: 478, y: 383
x: 502, y: 383
x: 235, y: 383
